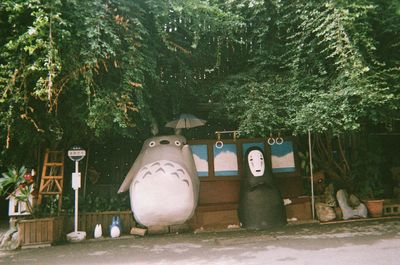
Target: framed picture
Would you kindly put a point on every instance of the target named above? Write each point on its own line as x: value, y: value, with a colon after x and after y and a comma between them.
x: 246, y: 146
x: 225, y: 160
x: 200, y: 157
x: 282, y: 157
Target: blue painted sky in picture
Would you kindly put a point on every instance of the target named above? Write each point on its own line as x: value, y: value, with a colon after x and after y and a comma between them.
x: 282, y: 157
x: 246, y: 146
x: 225, y: 160
x: 200, y: 157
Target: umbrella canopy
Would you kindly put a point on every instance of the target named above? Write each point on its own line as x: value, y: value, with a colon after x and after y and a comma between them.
x: 186, y: 120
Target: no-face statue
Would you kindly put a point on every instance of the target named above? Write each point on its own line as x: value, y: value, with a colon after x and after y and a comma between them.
x: 260, y: 204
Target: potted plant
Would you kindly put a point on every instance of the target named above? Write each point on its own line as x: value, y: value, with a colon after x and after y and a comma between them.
x: 367, y: 180
x: 18, y: 185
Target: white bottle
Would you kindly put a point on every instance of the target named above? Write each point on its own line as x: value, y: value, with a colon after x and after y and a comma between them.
x: 98, y: 232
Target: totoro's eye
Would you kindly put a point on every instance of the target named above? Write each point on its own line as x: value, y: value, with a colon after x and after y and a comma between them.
x: 152, y: 144
x: 177, y: 143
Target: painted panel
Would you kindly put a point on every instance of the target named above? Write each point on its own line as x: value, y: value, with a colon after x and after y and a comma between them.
x: 225, y: 160
x: 282, y: 158
x: 200, y: 157
x: 246, y: 146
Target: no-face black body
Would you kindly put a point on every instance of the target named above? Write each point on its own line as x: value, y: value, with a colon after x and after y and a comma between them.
x: 260, y: 204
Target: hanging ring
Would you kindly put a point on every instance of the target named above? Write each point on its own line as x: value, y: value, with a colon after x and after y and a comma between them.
x: 271, y: 141
x: 279, y: 139
x: 219, y: 144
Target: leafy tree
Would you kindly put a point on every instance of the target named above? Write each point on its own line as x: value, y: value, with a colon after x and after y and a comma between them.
x: 76, y: 71
x: 322, y: 66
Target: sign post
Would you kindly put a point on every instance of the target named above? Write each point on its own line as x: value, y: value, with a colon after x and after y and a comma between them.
x: 76, y: 154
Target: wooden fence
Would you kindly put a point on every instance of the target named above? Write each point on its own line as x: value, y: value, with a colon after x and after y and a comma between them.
x: 88, y: 221
x: 54, y: 229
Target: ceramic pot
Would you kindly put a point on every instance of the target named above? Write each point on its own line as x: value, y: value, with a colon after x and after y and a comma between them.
x: 375, y: 207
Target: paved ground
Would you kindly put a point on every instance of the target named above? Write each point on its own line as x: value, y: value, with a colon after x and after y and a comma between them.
x: 368, y: 242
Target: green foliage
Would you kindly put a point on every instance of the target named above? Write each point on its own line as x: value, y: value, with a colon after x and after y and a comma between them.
x: 368, y: 171
x: 11, y: 180
x: 320, y: 69
x: 86, y: 50
x: 48, y: 207
x: 111, y: 67
x: 98, y: 203
x: 17, y: 183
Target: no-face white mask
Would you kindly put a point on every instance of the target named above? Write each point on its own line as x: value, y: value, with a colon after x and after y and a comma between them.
x: 256, y: 163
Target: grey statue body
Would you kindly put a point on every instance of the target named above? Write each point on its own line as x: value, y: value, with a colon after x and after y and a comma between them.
x: 163, y: 182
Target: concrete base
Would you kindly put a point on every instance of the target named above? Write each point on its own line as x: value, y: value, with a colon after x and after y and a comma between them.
x: 76, y: 236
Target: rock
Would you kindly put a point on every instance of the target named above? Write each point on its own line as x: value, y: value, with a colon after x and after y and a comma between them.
x: 9, y: 240
x: 347, y: 210
x: 330, y: 195
x: 287, y: 201
x: 354, y: 201
x: 138, y: 231
x: 325, y: 212
x: 339, y: 214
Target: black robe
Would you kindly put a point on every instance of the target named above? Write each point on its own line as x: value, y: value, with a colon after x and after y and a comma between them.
x: 260, y: 203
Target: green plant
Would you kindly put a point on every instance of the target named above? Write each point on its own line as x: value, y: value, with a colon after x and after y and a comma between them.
x: 17, y: 183
x: 48, y: 207
x: 366, y: 174
x: 98, y: 202
x: 10, y: 179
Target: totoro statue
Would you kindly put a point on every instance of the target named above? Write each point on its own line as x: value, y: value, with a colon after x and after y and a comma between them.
x: 163, y: 182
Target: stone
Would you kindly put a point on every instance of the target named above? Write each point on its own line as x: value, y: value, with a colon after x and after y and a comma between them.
x: 330, y: 195
x: 77, y: 236
x: 325, y: 212
x: 347, y: 210
x: 138, y: 231
x: 354, y: 201
x: 9, y: 240
x: 338, y: 211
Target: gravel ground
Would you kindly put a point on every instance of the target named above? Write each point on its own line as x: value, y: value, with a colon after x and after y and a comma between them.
x: 367, y: 242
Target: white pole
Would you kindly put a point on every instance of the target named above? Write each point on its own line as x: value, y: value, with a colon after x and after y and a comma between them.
x: 76, y: 198
x: 312, y: 175
x: 76, y: 154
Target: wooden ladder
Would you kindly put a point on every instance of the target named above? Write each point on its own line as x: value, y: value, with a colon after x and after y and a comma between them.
x: 52, y: 181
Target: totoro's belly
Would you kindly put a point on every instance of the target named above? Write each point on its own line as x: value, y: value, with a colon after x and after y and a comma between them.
x: 162, y: 194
